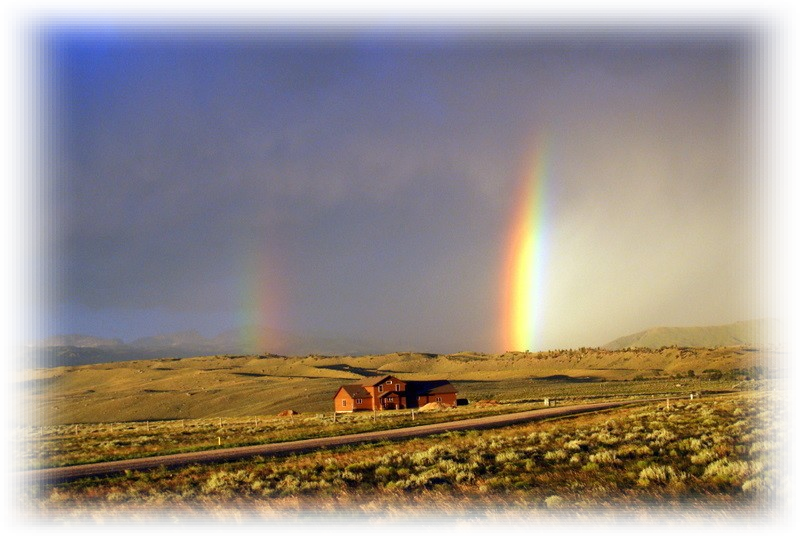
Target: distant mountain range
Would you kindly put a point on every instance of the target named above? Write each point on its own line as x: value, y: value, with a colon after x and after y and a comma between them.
x: 748, y: 333
x: 85, y: 349
x: 81, y: 341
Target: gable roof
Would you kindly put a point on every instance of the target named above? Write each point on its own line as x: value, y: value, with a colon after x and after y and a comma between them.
x: 369, y: 382
x: 413, y: 387
x: 356, y: 391
x: 431, y: 387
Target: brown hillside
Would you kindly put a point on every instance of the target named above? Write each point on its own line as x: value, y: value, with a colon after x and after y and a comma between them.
x: 749, y: 333
x: 252, y: 385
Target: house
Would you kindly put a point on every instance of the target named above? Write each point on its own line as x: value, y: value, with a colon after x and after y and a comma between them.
x: 390, y: 392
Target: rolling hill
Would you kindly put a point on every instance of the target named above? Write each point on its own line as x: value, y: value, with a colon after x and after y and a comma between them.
x: 749, y: 333
x: 201, y: 387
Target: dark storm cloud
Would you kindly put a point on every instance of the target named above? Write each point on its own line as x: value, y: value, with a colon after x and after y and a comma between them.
x: 377, y: 173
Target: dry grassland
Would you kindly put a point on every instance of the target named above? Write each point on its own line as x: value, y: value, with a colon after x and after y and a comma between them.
x: 696, y: 457
x: 224, y: 386
x: 61, y: 445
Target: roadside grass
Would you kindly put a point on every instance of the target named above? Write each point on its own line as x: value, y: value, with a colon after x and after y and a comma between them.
x: 56, y: 446
x: 571, y: 390
x: 60, y: 445
x: 712, y: 452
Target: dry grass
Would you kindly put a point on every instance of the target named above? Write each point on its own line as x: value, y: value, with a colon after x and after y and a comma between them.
x: 706, y: 454
x: 59, y: 445
x: 221, y: 386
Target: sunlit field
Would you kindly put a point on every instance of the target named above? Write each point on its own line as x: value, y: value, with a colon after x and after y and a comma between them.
x: 245, y: 386
x: 53, y: 446
x: 58, y: 445
x: 714, y: 454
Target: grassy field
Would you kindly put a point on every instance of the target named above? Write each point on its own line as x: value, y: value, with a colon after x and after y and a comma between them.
x: 34, y: 447
x: 59, y: 445
x: 244, y: 386
x: 714, y: 454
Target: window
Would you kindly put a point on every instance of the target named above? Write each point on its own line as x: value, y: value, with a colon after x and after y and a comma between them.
x: 380, y: 388
x: 390, y: 399
x: 397, y: 387
x: 389, y: 382
x: 358, y: 401
x: 344, y: 402
x: 438, y: 398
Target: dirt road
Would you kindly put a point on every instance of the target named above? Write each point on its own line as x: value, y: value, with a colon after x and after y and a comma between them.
x: 64, y: 474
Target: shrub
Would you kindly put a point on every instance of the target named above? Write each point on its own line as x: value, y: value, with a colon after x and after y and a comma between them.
x: 350, y: 476
x: 430, y: 456
x: 224, y: 482
x: 507, y: 456
x: 288, y: 485
x: 556, y: 455
x: 661, y: 437
x: 733, y: 472
x: 604, y: 457
x: 554, y: 501
x: 761, y: 446
x: 755, y: 485
x: 383, y: 472
x: 691, y: 444
x: 605, y: 438
x: 576, y: 444
x: 465, y: 476
x: 704, y: 457
x: 661, y: 474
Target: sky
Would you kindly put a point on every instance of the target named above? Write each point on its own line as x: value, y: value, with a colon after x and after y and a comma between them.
x: 370, y: 182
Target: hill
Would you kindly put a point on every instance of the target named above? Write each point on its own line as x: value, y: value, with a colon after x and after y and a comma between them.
x: 83, y: 341
x: 73, y: 350
x: 748, y: 333
x: 214, y: 386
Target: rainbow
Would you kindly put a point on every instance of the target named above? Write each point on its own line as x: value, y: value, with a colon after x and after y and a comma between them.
x: 260, y: 303
x: 523, y: 285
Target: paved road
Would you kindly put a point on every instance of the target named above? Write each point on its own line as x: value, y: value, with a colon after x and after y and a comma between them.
x: 64, y: 474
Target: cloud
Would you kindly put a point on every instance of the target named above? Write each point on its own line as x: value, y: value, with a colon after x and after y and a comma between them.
x: 377, y: 176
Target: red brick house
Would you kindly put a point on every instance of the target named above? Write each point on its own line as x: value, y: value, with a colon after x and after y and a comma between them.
x: 389, y: 392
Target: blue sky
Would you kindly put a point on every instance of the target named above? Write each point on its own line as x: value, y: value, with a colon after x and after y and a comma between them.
x: 361, y: 181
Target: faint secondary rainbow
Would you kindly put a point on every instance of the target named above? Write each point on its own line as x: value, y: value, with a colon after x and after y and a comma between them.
x: 526, y: 259
x: 260, y: 302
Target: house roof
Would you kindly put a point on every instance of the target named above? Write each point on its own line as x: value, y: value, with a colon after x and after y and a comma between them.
x: 431, y: 387
x: 356, y: 391
x: 413, y: 388
x: 369, y: 382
